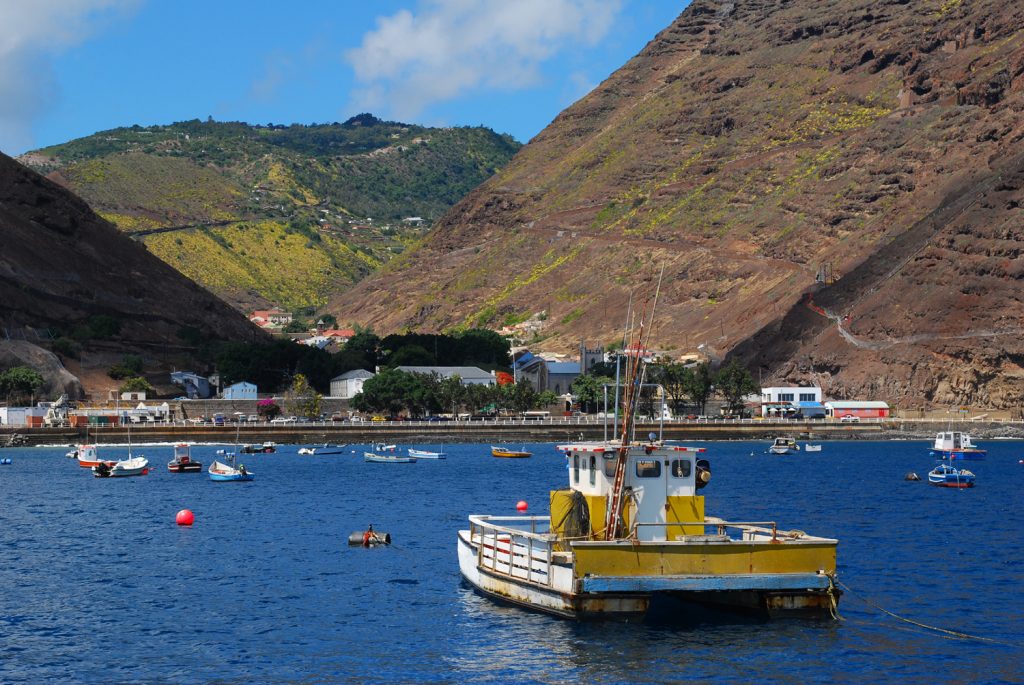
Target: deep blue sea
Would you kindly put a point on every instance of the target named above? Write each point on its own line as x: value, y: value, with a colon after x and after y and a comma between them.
x: 98, y: 584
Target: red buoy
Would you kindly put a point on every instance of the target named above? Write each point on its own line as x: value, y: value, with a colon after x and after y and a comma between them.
x: 521, y: 506
x: 185, y: 518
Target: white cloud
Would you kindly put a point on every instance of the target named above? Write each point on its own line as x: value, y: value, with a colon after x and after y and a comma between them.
x: 32, y: 32
x: 450, y: 47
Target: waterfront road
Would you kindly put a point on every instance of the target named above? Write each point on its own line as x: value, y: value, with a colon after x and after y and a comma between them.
x: 509, y: 430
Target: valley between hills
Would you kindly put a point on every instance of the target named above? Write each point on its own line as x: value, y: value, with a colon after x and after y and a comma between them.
x: 833, y: 190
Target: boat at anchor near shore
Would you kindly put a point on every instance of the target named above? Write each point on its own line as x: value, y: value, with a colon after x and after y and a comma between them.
x: 630, y: 533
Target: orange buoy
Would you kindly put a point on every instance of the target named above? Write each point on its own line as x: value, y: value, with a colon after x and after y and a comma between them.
x: 185, y: 518
x: 521, y: 506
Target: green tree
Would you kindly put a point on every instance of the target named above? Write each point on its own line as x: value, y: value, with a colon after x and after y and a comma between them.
x: 304, y: 399
x: 677, y: 380
x: 451, y: 394
x: 387, y: 392
x: 699, y: 386
x: 734, y: 383
x: 129, y: 366
x: 136, y: 384
x: 360, y: 352
x: 545, y: 399
x: 523, y: 395
x: 589, y: 391
x: 20, y: 382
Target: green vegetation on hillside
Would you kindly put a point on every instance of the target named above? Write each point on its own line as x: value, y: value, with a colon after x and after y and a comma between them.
x: 283, y: 214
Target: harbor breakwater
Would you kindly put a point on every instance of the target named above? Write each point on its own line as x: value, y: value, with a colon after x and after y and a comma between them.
x: 505, y: 431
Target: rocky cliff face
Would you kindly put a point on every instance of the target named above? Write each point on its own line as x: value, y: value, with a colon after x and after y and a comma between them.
x: 833, y: 189
x: 62, y: 267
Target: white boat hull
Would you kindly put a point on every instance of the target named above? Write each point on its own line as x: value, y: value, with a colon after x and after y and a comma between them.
x: 135, y: 466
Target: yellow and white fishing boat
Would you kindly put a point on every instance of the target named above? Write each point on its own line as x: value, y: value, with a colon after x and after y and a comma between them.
x: 631, y: 530
x: 663, y: 546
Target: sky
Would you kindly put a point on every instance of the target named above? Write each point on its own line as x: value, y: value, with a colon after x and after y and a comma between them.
x: 70, y: 68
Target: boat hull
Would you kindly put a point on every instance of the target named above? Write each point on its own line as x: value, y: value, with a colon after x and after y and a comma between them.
x: 968, y: 455
x: 608, y: 582
x: 502, y: 453
x: 190, y: 467
x: 387, y: 458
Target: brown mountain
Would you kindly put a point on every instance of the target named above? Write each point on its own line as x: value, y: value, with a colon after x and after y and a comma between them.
x: 786, y: 163
x: 67, y: 273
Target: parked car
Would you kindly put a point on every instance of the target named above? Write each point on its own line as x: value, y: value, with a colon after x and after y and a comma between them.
x: 849, y: 418
x: 253, y: 418
x: 284, y: 419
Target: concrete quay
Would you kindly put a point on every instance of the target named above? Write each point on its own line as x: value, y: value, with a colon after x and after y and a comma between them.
x: 509, y: 430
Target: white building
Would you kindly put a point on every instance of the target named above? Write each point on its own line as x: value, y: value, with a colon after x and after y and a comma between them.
x: 350, y: 383
x: 788, y: 401
x: 240, y: 391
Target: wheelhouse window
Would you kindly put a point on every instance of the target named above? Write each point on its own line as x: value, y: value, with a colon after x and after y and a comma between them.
x: 593, y: 470
x: 681, y: 468
x: 648, y: 468
x: 576, y: 469
x: 609, y: 464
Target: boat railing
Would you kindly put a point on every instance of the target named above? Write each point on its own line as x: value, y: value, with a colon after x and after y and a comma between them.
x: 512, y: 550
x: 749, y: 530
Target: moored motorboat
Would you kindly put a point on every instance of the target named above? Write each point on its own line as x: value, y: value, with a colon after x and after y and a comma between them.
x: 265, y: 448
x: 306, y: 451
x: 507, y: 453
x: 425, y: 454
x: 808, y: 447
x: 387, y: 458
x: 228, y: 472
x: 784, y: 446
x: 955, y: 445
x: 948, y: 476
x: 183, y: 462
x: 132, y: 466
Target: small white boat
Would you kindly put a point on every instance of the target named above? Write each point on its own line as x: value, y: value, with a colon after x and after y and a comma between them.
x: 132, y: 466
x: 224, y: 472
x: 808, y: 447
x: 387, y: 458
x: 381, y: 447
x: 784, y: 446
x: 425, y: 454
x: 307, y: 450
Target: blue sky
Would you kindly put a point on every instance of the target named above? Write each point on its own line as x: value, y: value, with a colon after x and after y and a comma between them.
x: 69, y: 68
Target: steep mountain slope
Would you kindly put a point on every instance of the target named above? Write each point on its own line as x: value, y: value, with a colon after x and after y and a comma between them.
x: 275, y: 214
x: 64, y: 271
x: 758, y: 150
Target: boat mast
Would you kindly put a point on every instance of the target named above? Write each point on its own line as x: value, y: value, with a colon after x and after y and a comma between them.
x: 634, y: 375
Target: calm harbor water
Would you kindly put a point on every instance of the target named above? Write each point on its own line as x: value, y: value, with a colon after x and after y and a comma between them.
x: 97, y: 583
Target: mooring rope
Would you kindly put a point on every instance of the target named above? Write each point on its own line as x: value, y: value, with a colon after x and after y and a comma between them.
x: 952, y: 634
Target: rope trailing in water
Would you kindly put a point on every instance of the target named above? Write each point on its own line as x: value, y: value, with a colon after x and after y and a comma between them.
x: 952, y: 634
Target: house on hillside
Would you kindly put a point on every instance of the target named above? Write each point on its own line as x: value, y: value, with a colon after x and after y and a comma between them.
x: 240, y: 391
x: 265, y: 318
x: 470, y: 375
x: 195, y: 387
x: 350, y: 383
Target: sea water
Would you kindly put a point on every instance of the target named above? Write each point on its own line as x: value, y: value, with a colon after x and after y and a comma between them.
x: 98, y: 584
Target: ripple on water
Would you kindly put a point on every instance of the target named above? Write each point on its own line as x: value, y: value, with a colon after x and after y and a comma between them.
x: 264, y: 588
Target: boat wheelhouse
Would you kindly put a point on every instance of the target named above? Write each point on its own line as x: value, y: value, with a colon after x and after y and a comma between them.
x: 955, y: 445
